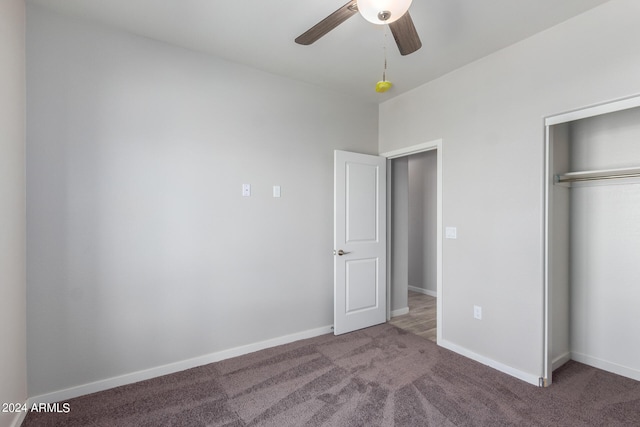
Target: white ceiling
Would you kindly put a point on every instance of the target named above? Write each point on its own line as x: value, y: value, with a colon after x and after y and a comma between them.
x: 349, y: 59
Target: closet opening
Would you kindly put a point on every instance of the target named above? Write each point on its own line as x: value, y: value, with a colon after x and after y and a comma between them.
x: 592, y: 238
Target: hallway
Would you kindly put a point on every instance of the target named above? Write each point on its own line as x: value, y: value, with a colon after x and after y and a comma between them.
x: 421, y: 319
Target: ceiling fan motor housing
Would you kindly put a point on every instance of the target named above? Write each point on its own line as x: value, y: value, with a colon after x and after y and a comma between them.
x: 383, y: 11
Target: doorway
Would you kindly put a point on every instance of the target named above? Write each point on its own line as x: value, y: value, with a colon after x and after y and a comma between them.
x: 414, y: 213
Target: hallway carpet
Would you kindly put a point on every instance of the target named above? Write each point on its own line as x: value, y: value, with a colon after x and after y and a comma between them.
x: 380, y: 376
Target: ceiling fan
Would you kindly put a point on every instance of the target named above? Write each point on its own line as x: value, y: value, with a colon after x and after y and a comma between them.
x: 395, y: 13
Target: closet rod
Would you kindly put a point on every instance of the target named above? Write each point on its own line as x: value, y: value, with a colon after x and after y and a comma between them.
x: 597, y: 175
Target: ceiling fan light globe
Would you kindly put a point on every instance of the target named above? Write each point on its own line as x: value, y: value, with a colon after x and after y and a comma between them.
x: 374, y: 10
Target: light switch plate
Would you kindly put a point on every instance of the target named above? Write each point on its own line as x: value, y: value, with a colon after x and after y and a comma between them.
x: 276, y: 191
x: 477, y: 312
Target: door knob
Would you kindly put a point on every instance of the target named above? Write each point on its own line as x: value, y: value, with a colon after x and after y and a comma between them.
x: 341, y: 252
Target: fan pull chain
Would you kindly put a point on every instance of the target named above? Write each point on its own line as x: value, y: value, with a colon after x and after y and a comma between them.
x: 384, y: 85
x: 384, y: 49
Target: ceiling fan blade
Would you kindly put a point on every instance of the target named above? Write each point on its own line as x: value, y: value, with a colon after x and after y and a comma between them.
x: 328, y: 23
x: 405, y: 34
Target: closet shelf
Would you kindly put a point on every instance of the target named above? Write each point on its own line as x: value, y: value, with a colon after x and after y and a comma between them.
x: 596, y: 175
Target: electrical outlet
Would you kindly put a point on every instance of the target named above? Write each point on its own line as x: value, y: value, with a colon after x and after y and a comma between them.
x: 477, y: 312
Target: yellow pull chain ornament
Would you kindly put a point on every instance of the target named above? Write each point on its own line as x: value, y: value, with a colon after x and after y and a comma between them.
x: 383, y: 86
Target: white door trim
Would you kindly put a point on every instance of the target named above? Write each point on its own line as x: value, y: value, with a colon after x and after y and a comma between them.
x: 594, y: 110
x: 402, y: 152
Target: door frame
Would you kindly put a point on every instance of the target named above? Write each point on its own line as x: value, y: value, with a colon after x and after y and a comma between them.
x: 403, y: 152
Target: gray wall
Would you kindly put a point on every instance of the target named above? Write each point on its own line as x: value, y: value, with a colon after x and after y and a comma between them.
x: 13, y: 374
x: 399, y: 235
x: 141, y: 250
x: 422, y: 221
x: 605, y: 243
x: 489, y: 115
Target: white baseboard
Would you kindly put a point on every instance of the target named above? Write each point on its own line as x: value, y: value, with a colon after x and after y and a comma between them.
x: 560, y: 360
x: 524, y: 376
x: 399, y: 312
x: 423, y: 291
x: 81, y: 390
x: 605, y: 365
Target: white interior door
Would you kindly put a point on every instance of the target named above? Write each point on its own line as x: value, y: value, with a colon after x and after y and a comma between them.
x: 359, y: 241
